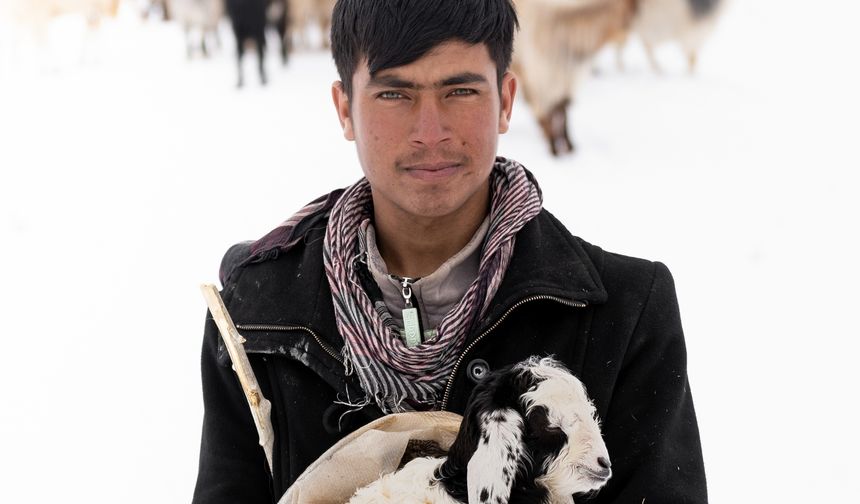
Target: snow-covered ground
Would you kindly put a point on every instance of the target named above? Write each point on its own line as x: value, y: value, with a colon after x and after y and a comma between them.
x: 126, y: 171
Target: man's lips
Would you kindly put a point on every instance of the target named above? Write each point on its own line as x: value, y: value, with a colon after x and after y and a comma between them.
x: 432, y: 166
x: 433, y: 171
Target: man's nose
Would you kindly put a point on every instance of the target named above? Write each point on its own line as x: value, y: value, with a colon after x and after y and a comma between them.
x: 430, y: 127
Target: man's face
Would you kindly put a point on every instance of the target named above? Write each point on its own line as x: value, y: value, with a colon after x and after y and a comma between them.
x: 426, y: 132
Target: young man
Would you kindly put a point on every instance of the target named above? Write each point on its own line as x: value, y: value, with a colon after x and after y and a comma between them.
x: 400, y: 292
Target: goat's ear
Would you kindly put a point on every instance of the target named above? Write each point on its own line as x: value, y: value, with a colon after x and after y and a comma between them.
x: 487, y: 453
x: 543, y: 441
x: 493, y: 467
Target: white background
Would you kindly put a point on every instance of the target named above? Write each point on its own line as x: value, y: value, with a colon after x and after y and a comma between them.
x: 126, y: 171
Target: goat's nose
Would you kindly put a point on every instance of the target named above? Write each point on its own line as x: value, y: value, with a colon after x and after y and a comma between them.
x: 603, y: 462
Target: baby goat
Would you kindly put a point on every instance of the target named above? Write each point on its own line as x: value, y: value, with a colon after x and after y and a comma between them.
x: 529, y: 434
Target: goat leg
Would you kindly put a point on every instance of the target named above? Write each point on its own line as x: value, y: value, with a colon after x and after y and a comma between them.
x: 652, y: 58
x: 554, y: 127
x: 561, y: 121
x: 239, y: 50
x: 261, y: 55
x: 189, y: 45
x: 284, y: 37
x: 692, y: 59
x: 546, y: 127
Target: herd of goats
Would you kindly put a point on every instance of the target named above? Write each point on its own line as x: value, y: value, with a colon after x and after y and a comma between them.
x: 554, y: 48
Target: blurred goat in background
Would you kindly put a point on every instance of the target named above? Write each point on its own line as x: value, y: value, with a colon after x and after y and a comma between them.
x: 199, y: 18
x: 156, y: 6
x: 37, y: 14
x: 687, y: 22
x: 249, y: 19
x: 278, y: 14
x: 553, y: 51
x: 29, y: 28
x: 558, y: 39
x: 307, y: 14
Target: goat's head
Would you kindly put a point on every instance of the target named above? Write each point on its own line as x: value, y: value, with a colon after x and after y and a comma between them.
x: 529, y: 434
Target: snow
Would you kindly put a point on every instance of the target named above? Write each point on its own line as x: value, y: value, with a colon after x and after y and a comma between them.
x: 126, y: 171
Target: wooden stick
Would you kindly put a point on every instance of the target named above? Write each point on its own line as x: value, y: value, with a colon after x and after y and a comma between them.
x: 261, y: 408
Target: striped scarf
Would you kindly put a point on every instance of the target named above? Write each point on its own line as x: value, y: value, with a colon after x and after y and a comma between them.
x: 393, y: 375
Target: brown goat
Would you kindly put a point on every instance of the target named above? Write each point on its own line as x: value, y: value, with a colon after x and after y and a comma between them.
x: 553, y: 50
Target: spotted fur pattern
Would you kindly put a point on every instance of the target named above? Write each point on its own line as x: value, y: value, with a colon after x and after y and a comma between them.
x: 490, y: 472
x: 529, y: 434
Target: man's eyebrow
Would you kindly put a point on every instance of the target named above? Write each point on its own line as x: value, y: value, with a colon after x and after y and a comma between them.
x: 463, y: 78
x: 391, y: 81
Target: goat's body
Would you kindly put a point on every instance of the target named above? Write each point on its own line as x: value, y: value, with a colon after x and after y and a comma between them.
x: 414, y: 483
x: 248, y: 20
x: 687, y: 22
x: 38, y: 14
x: 553, y: 51
x: 34, y: 20
x: 307, y: 13
x: 529, y: 434
x: 200, y: 18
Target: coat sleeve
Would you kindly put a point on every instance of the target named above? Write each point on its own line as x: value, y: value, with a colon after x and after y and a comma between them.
x: 233, y: 467
x: 650, y: 429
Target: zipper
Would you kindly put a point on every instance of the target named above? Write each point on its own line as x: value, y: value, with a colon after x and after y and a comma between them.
x: 450, y: 383
x: 272, y: 327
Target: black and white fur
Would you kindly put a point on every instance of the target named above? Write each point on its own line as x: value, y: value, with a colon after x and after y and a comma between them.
x: 529, y: 434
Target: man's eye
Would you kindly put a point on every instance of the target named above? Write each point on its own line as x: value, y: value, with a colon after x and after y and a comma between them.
x: 390, y: 95
x: 463, y: 92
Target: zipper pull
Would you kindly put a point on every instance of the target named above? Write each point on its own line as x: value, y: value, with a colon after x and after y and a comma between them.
x: 411, y: 325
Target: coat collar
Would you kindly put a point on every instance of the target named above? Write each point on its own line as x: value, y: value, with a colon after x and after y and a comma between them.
x: 547, y: 260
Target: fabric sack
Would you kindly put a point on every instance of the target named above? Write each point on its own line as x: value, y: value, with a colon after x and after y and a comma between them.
x: 370, y: 452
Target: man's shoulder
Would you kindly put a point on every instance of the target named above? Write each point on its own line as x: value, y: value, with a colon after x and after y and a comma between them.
x: 305, y: 227
x: 612, y: 267
x: 235, y: 257
x: 240, y: 256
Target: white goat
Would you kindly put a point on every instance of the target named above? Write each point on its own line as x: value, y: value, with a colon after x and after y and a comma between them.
x: 529, y: 434
x: 200, y: 18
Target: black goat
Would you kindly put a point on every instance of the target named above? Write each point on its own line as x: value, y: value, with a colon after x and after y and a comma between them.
x: 249, y: 19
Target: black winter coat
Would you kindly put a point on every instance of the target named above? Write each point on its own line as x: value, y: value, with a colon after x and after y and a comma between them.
x: 613, y: 320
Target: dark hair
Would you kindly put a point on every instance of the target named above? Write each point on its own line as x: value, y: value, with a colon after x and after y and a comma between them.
x: 392, y: 33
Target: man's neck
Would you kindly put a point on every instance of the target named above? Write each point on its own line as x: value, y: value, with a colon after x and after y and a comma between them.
x: 415, y: 247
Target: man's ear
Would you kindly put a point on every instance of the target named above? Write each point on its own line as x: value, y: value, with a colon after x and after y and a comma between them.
x: 344, y: 113
x: 507, y: 94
